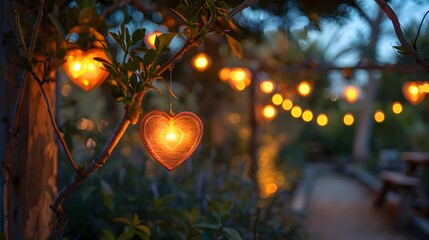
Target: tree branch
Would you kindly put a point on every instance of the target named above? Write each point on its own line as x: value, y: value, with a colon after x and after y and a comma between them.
x: 36, y: 27
x: 401, y: 37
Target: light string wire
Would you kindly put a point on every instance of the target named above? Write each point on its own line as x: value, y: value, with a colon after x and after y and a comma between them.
x: 171, y: 87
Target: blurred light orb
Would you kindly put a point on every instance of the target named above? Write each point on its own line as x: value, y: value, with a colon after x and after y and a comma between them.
x: 267, y: 86
x: 307, y: 115
x: 351, y: 94
x: 150, y: 39
x: 271, y: 188
x: 277, y: 99
x: 379, y: 116
x: 397, y: 107
x: 66, y: 90
x: 424, y: 87
x: 322, y: 120
x: 304, y: 88
x: 201, y: 62
x: 234, y: 118
x: 287, y: 104
x: 224, y: 74
x: 296, y: 111
x: 348, y: 119
x: 412, y: 93
x: 269, y: 112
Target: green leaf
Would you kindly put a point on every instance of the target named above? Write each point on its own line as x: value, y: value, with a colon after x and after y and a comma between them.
x: 235, y: 46
x: 164, y: 41
x: 107, y: 235
x: 231, y: 234
x: 138, y: 35
x: 193, y: 214
x: 142, y: 236
x: 222, y: 8
x: 207, y: 226
x: 132, y: 65
x: 135, y: 219
x: 108, y: 194
x: 150, y: 58
x: 123, y: 220
x: 117, y: 39
x: 117, y: 92
x: 143, y: 229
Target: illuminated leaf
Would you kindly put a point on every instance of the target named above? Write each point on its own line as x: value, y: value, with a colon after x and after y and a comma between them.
x: 235, y: 46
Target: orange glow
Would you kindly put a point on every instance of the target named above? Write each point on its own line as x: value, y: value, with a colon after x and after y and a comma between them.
x: 351, y: 94
x: 307, y: 115
x: 304, y: 88
x: 396, y: 107
x: 322, y: 119
x: 237, y: 78
x: 150, y: 39
x: 81, y: 68
x: 277, y: 99
x: 424, y: 87
x: 201, y: 62
x: 287, y: 104
x: 224, y: 74
x: 348, y: 119
x: 412, y: 92
x: 267, y: 86
x: 269, y: 112
x: 296, y: 112
x: 171, y: 140
x: 271, y: 188
x: 379, y: 116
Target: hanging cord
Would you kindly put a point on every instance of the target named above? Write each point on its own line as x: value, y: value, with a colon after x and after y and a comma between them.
x: 171, y: 85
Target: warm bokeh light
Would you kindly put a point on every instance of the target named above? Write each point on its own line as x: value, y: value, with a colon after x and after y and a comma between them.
x: 269, y: 112
x: 296, y: 111
x: 277, y: 99
x: 351, y: 94
x: 287, y: 104
x: 81, y: 68
x: 201, y: 62
x: 271, y: 188
x: 424, y: 87
x: 396, y: 107
x: 348, y: 119
x: 150, y: 39
x: 379, y: 116
x: 412, y: 92
x: 304, y: 88
x: 224, y: 74
x: 307, y: 115
x: 237, y: 78
x: 66, y: 90
x: 85, y: 124
x: 267, y: 86
x: 322, y: 120
x: 234, y: 118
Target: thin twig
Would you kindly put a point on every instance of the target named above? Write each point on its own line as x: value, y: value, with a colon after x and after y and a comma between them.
x: 401, y: 37
x: 258, y: 213
x: 418, y: 31
x: 240, y: 8
x: 36, y: 27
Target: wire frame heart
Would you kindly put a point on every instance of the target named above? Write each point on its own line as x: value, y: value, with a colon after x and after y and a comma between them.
x: 171, y: 140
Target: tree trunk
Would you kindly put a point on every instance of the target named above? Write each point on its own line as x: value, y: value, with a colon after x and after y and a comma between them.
x: 30, y: 156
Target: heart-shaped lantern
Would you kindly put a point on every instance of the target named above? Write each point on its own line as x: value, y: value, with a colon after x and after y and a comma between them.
x: 171, y: 140
x: 83, y: 45
x: 412, y: 93
x: 83, y: 70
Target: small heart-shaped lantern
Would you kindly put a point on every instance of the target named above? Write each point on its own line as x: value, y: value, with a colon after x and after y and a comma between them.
x: 83, y: 70
x: 412, y: 93
x: 171, y: 140
x: 84, y: 44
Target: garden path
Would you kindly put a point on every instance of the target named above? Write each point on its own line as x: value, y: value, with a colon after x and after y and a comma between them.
x: 340, y: 208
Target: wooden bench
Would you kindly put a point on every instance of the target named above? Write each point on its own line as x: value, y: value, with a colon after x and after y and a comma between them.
x: 405, y: 185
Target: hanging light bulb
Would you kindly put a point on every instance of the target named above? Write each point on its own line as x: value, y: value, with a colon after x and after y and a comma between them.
x: 304, y: 88
x: 351, y: 94
x: 267, y: 86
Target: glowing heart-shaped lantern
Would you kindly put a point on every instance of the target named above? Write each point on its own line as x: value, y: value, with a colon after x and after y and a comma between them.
x: 171, y: 140
x: 85, y: 44
x: 412, y: 93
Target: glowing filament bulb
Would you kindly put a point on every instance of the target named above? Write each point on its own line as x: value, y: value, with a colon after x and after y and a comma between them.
x: 76, y: 66
x: 172, y: 136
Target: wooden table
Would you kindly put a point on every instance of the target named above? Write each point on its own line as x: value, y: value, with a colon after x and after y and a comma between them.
x: 415, y: 159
